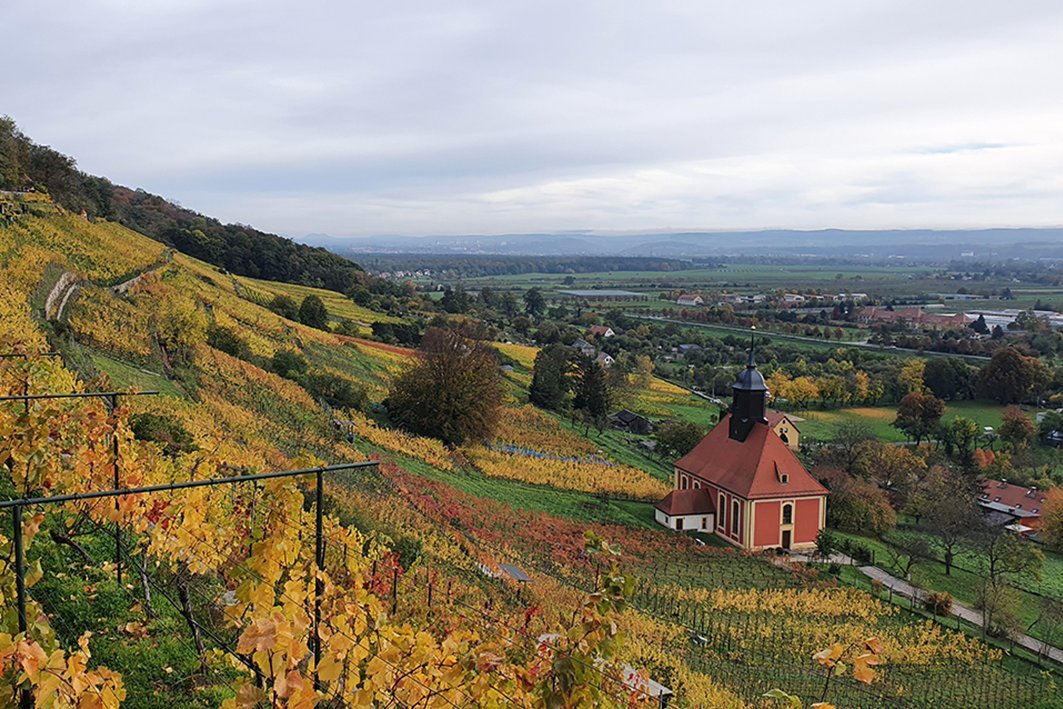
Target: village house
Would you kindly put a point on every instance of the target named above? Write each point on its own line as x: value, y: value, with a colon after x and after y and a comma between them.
x: 1016, y: 506
x: 584, y: 347
x: 785, y: 429
x: 743, y: 482
x: 916, y: 317
x: 602, y: 331
x: 690, y: 299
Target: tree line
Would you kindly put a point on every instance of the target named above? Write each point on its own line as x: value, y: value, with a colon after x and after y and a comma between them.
x: 238, y: 248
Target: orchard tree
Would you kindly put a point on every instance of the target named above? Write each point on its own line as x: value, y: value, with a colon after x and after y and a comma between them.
x: 1004, y: 557
x: 1052, y: 519
x: 918, y: 415
x: 946, y: 506
x: 452, y: 390
x: 850, y: 443
x: 1016, y: 428
x: 912, y: 375
x: 855, y: 505
x: 960, y: 439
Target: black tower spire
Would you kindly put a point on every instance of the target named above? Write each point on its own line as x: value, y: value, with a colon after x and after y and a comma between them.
x: 749, y: 395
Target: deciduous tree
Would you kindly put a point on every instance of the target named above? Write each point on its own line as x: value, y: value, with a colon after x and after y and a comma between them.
x: 451, y: 391
x: 1016, y: 428
x: 1011, y: 377
x: 918, y: 415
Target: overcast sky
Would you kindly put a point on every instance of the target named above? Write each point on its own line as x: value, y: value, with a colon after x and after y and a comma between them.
x: 355, y: 118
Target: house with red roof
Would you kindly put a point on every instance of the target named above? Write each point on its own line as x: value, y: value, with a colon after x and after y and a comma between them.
x: 1016, y: 506
x: 602, y: 331
x: 743, y: 482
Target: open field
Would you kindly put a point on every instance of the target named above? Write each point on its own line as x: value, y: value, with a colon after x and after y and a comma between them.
x: 822, y: 424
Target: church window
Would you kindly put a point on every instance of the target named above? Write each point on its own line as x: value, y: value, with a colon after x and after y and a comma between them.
x: 734, y: 517
x: 787, y: 514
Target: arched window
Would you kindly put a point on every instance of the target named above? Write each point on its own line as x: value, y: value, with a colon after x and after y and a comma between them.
x: 697, y: 485
x: 788, y: 514
x: 722, y: 521
x: 734, y: 517
x: 684, y: 482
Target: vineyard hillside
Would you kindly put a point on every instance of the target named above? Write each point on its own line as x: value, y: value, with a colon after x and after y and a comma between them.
x: 523, y: 570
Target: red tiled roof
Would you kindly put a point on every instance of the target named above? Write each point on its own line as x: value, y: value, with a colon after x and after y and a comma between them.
x: 687, y: 502
x: 752, y: 468
x: 599, y: 329
x: 1013, y: 495
x: 775, y: 417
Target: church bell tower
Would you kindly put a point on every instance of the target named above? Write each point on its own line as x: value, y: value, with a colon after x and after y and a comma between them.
x: 749, y: 398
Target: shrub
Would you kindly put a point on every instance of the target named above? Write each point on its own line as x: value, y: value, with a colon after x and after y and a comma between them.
x: 285, y: 307
x: 167, y: 431
x: 227, y: 341
x: 938, y: 603
x: 335, y: 391
x: 288, y: 364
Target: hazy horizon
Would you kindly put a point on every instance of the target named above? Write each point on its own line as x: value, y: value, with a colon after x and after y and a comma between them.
x: 502, y: 118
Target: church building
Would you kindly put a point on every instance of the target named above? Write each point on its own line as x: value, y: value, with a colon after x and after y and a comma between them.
x: 743, y: 482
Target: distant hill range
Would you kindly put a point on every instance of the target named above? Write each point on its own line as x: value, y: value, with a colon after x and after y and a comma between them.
x: 863, y: 245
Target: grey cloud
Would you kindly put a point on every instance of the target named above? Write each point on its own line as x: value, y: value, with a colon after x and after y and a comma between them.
x: 354, y: 118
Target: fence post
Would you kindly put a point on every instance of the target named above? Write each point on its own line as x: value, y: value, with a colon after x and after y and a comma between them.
x: 394, y: 589
x: 26, y: 698
x: 319, y: 584
x: 117, y: 486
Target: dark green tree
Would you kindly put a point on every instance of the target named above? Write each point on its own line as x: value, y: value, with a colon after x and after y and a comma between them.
x: 313, y: 313
x: 592, y: 397
x: 677, y: 438
x: 335, y: 390
x: 550, y: 383
x: 949, y: 378
x: 288, y: 364
x: 534, y: 302
x: 285, y: 307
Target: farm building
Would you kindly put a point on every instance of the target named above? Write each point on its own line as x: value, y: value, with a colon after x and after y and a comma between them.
x: 745, y: 481
x: 631, y: 422
x: 690, y: 299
